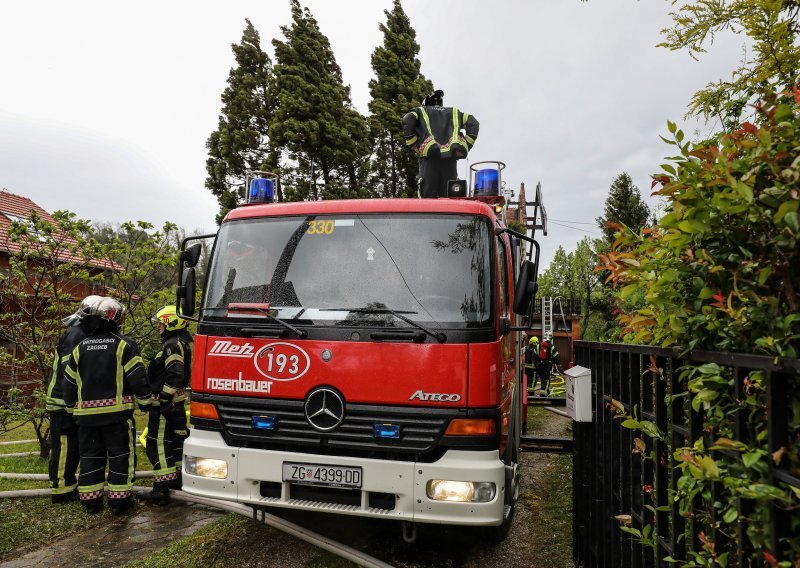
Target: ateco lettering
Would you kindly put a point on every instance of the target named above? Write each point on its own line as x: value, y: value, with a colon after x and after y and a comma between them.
x: 239, y: 385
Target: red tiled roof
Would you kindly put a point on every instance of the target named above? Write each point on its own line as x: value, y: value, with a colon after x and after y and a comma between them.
x: 19, y: 206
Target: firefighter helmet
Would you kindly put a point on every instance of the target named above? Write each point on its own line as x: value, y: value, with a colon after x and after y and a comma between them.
x: 168, y: 316
x: 434, y: 99
x: 89, y: 305
x: 110, y: 309
x: 534, y: 340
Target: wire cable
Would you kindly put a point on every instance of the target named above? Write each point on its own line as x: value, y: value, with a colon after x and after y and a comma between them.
x: 574, y: 228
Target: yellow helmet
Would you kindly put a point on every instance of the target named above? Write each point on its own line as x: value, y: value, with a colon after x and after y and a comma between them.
x: 534, y: 339
x: 168, y: 316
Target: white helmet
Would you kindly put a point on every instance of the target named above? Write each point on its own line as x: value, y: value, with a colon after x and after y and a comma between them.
x: 110, y: 309
x: 86, y: 308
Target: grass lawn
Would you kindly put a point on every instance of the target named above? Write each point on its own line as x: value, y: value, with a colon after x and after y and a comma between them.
x: 233, y: 540
x: 29, y: 523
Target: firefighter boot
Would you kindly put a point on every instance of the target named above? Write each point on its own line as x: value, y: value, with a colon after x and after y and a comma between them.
x: 120, y: 506
x: 92, y: 506
x: 65, y: 497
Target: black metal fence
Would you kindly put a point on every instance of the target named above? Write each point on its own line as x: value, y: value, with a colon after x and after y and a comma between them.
x: 611, y: 480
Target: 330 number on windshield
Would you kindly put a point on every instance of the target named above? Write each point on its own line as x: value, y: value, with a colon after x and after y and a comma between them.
x: 321, y: 227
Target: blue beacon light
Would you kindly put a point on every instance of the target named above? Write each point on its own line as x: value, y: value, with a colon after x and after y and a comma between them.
x: 486, y: 182
x: 262, y: 190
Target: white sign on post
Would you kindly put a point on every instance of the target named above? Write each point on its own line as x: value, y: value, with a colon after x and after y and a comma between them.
x: 578, y: 382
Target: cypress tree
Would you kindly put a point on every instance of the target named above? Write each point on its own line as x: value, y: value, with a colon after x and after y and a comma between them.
x: 314, y: 120
x: 624, y: 205
x: 398, y: 86
x: 240, y: 142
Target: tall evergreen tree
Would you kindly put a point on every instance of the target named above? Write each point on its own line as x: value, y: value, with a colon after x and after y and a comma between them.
x: 624, y: 205
x: 399, y: 85
x: 314, y: 120
x: 240, y: 142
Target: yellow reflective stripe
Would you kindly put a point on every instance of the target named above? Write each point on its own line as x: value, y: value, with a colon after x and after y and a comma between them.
x: 143, y: 437
x: 120, y: 488
x: 454, y: 137
x: 131, y: 455
x: 143, y: 400
x: 173, y: 358
x: 411, y: 141
x: 71, y: 373
x: 426, y: 120
x: 168, y: 389
x: 103, y: 409
x: 90, y: 488
x: 470, y: 139
x: 53, y: 376
x: 414, y: 112
x: 62, y: 461
x: 466, y: 117
x: 162, y: 458
x: 65, y: 358
x: 62, y: 490
x: 132, y: 363
x: 120, y: 373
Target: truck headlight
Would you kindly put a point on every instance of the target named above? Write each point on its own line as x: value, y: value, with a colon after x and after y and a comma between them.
x: 461, y: 491
x: 206, y: 467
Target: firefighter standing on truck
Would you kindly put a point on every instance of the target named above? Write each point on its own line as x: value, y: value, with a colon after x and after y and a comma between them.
x: 440, y: 136
x: 64, y: 455
x: 169, y: 376
x: 104, y: 377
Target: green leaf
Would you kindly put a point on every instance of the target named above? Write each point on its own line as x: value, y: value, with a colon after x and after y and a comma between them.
x: 786, y: 207
x: 705, y: 293
x: 730, y: 515
x: 745, y: 191
x: 792, y: 221
x: 692, y: 226
x: 672, y: 127
x: 751, y: 458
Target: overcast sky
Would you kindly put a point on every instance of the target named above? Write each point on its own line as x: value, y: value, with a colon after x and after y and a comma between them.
x: 105, y: 106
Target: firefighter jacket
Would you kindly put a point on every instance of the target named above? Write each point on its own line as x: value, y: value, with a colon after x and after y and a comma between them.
x: 169, y: 372
x: 104, y: 377
x: 435, y: 130
x: 66, y: 343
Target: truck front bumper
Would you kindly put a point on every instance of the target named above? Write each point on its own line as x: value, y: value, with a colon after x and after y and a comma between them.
x: 406, y: 481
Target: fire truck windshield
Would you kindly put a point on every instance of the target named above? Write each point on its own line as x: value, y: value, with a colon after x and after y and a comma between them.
x: 354, y: 270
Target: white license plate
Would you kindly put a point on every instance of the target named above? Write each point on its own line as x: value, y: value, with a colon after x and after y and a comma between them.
x: 327, y: 475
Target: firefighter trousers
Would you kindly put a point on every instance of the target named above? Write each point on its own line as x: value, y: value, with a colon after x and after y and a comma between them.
x: 160, y: 446
x: 180, y: 431
x: 63, y: 454
x: 111, y: 445
x: 434, y: 174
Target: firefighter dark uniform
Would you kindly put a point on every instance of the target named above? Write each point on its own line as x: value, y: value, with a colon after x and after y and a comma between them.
x: 531, y: 358
x: 63, y: 429
x: 434, y: 132
x: 547, y: 354
x: 104, y: 379
x: 169, y: 374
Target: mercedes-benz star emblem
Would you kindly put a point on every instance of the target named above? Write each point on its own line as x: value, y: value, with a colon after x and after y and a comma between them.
x: 324, y: 409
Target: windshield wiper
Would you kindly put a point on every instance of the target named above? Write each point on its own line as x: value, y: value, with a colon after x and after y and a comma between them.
x: 257, y: 308
x: 440, y: 337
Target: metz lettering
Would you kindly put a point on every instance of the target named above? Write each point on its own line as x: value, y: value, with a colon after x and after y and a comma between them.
x: 239, y: 385
x: 225, y: 348
x: 437, y: 396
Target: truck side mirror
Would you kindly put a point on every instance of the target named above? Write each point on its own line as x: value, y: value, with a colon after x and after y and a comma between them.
x: 526, y: 287
x: 191, y: 256
x: 186, y: 292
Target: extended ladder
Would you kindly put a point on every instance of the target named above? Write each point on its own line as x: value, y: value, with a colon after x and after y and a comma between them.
x: 548, y: 303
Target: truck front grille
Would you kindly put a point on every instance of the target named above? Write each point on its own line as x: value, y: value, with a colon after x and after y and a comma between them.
x: 420, y: 429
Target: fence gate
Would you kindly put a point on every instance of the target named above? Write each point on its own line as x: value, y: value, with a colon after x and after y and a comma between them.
x: 611, y: 480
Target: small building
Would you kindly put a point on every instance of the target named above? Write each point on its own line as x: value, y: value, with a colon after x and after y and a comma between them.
x: 17, y: 208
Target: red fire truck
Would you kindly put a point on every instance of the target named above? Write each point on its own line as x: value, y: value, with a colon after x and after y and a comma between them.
x: 359, y: 357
